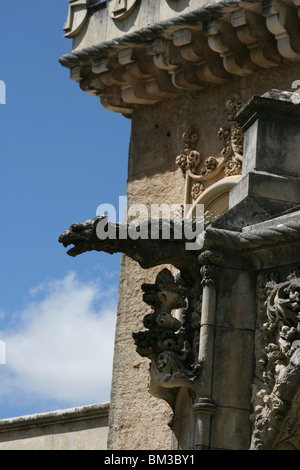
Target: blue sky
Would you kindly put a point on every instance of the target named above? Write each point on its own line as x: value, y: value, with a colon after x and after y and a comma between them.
x: 61, y: 155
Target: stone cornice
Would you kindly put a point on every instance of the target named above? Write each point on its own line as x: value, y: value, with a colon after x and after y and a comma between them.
x: 208, y: 46
x: 161, y: 29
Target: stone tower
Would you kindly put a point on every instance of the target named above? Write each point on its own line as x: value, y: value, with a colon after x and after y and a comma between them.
x: 211, y: 91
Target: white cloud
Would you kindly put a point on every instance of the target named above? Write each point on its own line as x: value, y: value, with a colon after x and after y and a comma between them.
x: 62, y: 348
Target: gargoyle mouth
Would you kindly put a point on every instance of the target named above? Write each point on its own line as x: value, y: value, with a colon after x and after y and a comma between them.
x: 81, y: 235
x: 69, y: 238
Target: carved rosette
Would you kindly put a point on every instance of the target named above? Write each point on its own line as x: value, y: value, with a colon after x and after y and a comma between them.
x: 170, y: 344
x: 276, y: 409
x: 199, y: 171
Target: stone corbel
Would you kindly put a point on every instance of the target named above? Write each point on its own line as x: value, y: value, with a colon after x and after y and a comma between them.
x: 251, y: 30
x: 77, y: 16
x: 93, y: 86
x: 145, y: 84
x: 194, y: 49
x: 112, y: 100
x: 167, y: 58
x: 111, y: 79
x: 110, y: 71
x: 76, y: 74
x: 222, y: 39
x: 163, y: 57
x: 278, y: 16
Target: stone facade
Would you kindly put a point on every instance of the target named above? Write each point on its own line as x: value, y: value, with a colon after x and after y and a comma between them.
x: 211, y: 332
x: 221, y: 328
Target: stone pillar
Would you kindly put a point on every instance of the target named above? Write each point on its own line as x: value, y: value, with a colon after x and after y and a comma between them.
x: 204, y: 406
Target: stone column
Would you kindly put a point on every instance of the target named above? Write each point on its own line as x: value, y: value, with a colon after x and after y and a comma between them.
x: 204, y: 406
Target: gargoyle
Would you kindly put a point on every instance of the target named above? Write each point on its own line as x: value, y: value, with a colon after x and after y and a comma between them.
x: 146, y: 250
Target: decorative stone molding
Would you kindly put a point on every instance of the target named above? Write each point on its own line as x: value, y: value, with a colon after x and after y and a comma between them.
x: 168, y: 342
x: 120, y: 9
x: 77, y: 16
x: 201, y: 172
x: 191, y: 51
x: 277, y: 364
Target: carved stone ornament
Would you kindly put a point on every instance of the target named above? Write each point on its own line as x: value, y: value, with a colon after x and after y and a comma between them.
x: 120, y: 9
x: 199, y: 171
x: 276, y: 389
x: 171, y: 344
x: 77, y: 16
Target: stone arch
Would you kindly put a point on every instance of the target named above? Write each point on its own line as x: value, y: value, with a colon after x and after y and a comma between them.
x: 216, y: 198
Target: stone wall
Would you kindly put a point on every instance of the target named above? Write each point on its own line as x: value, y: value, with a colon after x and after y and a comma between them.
x: 82, y: 428
x: 153, y: 177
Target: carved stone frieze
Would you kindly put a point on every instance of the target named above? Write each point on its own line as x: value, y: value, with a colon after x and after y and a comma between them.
x: 276, y: 387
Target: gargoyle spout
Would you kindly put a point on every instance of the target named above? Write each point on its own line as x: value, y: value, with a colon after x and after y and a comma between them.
x: 117, y: 238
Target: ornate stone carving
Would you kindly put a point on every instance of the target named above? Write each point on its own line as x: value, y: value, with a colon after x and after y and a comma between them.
x: 169, y: 342
x: 289, y: 435
x: 278, y: 363
x: 200, y: 172
x: 211, y: 261
x: 190, y: 159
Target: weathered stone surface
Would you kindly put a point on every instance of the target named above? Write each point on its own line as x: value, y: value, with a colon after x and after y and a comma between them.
x: 173, y: 75
x: 228, y: 429
x: 82, y: 428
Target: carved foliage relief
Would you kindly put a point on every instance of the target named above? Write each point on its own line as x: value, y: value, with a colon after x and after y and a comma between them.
x: 276, y: 391
x: 200, y: 171
x: 170, y: 343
